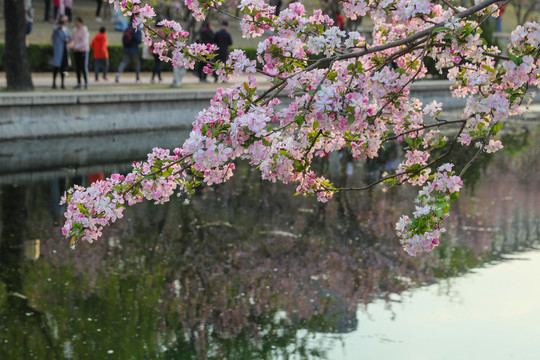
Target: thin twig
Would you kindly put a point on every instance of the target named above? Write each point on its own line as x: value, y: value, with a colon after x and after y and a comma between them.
x: 439, y: 124
x: 449, y: 5
x: 473, y: 159
x: 407, y: 40
x: 406, y: 172
x: 275, y: 94
x: 154, y: 173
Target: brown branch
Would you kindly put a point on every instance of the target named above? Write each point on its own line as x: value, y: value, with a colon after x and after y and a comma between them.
x: 308, y: 105
x: 449, y: 5
x: 224, y: 12
x: 416, y: 36
x: 400, y: 91
x: 278, y: 88
x: 473, y: 159
x: 412, y: 173
x: 132, y: 186
x: 312, y: 144
x: 439, y: 124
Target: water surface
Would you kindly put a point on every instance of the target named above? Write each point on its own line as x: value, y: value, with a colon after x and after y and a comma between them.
x: 245, y: 270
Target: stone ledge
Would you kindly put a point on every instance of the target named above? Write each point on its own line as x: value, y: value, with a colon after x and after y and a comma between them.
x: 115, y: 96
x: 128, y: 96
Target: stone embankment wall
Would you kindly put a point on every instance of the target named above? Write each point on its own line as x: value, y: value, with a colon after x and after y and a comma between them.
x: 72, y: 131
x: 76, y: 113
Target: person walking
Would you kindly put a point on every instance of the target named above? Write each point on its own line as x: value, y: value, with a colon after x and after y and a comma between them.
x: 206, y: 36
x: 101, y: 53
x: 60, y: 59
x: 80, y: 46
x: 223, y: 40
x: 29, y: 19
x: 68, y: 5
x: 130, y: 47
x: 499, y: 19
x: 157, y: 65
x: 150, y: 51
x: 56, y: 9
x: 47, y: 10
x: 278, y: 5
x: 340, y: 21
x: 99, y: 3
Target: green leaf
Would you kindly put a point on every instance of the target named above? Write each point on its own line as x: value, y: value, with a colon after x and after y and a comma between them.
x: 497, y: 127
x: 441, y: 204
x: 332, y: 75
x: 515, y: 59
x: 299, y: 166
x: 391, y: 181
x: 439, y: 29
x: 490, y: 69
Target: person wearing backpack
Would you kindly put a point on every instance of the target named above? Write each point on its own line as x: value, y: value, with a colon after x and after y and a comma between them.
x: 130, y: 47
x: 223, y: 40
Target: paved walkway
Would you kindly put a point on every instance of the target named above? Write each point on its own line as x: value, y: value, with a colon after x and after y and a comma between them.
x: 43, y: 81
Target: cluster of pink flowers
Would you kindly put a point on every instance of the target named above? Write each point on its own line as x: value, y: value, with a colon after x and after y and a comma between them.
x: 199, y: 8
x: 90, y: 209
x: 257, y: 17
x: 356, y: 96
x: 423, y: 231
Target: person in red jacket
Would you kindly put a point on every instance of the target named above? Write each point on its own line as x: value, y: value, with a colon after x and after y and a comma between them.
x: 340, y: 21
x: 101, y: 53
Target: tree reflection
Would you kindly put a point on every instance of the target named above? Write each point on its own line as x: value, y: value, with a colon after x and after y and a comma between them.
x: 16, y: 309
x: 240, y: 271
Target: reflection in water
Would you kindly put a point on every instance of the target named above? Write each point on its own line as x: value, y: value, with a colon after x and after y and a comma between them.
x: 46, y: 159
x: 243, y: 270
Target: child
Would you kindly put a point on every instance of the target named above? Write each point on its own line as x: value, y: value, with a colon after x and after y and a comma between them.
x: 101, y: 53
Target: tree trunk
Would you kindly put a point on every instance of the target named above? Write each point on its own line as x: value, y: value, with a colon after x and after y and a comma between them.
x: 16, y: 62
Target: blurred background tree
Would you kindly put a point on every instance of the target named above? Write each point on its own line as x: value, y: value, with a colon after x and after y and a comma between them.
x: 16, y: 63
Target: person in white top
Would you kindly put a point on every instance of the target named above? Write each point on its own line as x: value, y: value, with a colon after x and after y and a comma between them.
x: 80, y: 39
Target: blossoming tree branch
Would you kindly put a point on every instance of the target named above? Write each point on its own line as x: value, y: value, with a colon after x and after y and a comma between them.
x: 345, y: 92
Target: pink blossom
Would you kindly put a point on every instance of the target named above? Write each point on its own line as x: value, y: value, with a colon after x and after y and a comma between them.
x: 351, y: 98
x: 494, y: 145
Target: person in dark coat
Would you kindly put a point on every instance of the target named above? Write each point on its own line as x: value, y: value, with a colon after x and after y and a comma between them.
x: 130, y: 50
x: 223, y: 40
x: 206, y: 36
x: 60, y: 40
x: 157, y: 60
x: 278, y: 5
x: 47, y: 10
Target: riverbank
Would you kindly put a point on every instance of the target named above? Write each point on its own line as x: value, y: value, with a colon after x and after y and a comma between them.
x: 43, y: 81
x: 126, y: 107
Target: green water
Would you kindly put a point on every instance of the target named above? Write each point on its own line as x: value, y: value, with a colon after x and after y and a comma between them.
x: 245, y: 270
